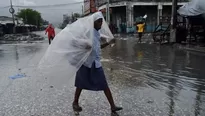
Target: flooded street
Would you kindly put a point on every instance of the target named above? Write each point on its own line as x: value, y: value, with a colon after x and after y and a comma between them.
x: 146, y: 80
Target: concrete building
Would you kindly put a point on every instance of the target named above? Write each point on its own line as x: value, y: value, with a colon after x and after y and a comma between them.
x: 8, y: 20
x: 7, y: 26
x: 125, y: 12
x: 89, y: 6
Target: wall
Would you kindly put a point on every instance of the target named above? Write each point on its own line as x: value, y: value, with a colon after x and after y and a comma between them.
x: 141, y: 7
x: 100, y: 2
x: 86, y: 7
x: 115, y: 3
x: 92, y: 6
x: 167, y: 11
x: 148, y: 0
x: 89, y: 6
x: 118, y: 16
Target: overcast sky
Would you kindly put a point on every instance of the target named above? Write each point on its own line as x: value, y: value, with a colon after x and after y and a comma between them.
x: 54, y: 15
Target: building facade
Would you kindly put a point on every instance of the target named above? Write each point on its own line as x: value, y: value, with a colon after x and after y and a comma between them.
x: 90, y: 6
x: 125, y: 12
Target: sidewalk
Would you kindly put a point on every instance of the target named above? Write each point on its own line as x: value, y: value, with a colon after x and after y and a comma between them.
x: 131, y: 34
x: 123, y: 36
x: 195, y: 48
x: 148, y: 37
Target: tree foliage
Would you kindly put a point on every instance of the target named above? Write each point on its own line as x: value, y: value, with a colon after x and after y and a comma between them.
x: 76, y: 15
x: 30, y: 16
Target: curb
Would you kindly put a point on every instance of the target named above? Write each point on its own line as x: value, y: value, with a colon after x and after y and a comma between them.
x: 195, y: 50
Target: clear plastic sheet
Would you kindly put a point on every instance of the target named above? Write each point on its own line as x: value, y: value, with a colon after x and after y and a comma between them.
x: 70, y: 49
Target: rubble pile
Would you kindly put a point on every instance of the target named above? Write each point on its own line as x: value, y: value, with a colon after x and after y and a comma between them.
x: 21, y: 37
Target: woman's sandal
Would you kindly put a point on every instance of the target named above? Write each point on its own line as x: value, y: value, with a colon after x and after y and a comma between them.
x: 116, y: 109
x: 77, y: 108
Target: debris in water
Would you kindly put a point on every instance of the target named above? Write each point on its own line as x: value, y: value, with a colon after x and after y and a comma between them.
x: 150, y: 102
x: 17, y: 76
x: 51, y: 86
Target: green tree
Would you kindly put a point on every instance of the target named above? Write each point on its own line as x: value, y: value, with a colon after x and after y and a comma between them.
x: 75, y: 16
x: 30, y: 16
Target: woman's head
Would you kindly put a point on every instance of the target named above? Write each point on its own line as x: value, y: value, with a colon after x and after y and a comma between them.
x: 98, y: 20
x: 50, y: 25
x: 98, y: 24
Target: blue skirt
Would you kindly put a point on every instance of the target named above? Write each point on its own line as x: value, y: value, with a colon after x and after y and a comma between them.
x: 91, y: 78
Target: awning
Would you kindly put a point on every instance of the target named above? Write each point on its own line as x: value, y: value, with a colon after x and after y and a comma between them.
x: 193, y: 8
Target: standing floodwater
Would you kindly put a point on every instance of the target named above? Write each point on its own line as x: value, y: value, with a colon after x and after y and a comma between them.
x: 146, y: 79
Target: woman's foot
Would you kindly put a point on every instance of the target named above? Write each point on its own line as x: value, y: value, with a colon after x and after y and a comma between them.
x: 76, y: 107
x: 115, y: 109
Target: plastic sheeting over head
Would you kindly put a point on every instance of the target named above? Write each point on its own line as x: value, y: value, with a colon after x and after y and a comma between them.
x: 70, y: 49
x: 193, y: 8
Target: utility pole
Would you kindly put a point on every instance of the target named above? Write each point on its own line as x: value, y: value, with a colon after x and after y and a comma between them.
x: 12, y: 11
x: 82, y: 10
x: 108, y: 12
x: 72, y: 17
x: 37, y: 21
x: 173, y: 21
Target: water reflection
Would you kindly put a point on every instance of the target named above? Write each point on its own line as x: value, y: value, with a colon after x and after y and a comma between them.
x: 198, y: 101
x: 173, y: 89
x: 16, y: 54
x: 167, y: 68
x: 171, y: 96
x: 1, y: 53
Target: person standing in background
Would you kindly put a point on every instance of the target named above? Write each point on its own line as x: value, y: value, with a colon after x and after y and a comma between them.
x: 140, y: 30
x: 51, y: 33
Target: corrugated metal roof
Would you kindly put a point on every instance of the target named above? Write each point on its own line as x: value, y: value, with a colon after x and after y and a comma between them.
x: 8, y: 20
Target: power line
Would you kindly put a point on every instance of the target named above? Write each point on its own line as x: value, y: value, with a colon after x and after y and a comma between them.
x: 2, y: 7
x: 55, y: 5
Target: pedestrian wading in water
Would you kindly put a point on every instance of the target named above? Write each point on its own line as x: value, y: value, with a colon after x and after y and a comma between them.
x: 140, y: 30
x: 51, y: 33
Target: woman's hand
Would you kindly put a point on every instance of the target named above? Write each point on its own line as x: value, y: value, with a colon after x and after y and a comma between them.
x: 112, y: 41
x: 107, y: 44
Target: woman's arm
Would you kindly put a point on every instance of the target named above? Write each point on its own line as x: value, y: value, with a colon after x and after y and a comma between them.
x: 104, y: 45
x: 107, y: 43
x: 46, y: 31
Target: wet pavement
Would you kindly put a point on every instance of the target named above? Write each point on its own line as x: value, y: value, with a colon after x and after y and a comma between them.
x: 146, y: 79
